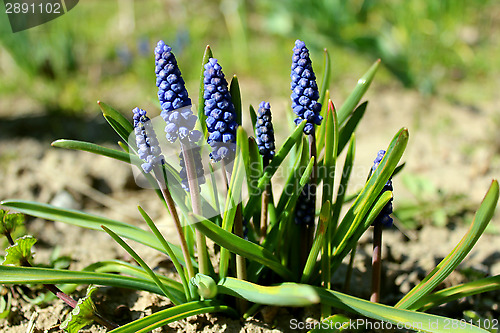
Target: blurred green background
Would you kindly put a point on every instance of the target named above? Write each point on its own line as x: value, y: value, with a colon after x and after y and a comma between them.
x: 104, y: 49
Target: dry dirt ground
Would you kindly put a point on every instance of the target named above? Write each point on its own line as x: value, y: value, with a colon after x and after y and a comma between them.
x: 455, y: 146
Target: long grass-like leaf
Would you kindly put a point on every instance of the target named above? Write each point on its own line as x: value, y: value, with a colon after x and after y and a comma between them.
x: 143, y: 264
x: 452, y: 260
x: 354, y: 217
x: 272, y: 167
x: 361, y: 87
x: 284, y: 294
x: 240, y: 246
x: 348, y: 129
x: 443, y: 296
x: 234, y: 89
x: 164, y: 317
x: 324, y: 218
x: 99, y: 150
x: 89, y: 221
x: 118, y: 122
x: 32, y: 275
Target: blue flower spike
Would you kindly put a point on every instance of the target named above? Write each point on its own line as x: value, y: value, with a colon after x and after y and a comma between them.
x: 384, y: 216
x: 148, y: 146
x: 220, y: 112
x: 305, y: 207
x: 305, y: 92
x: 264, y: 132
x: 173, y: 96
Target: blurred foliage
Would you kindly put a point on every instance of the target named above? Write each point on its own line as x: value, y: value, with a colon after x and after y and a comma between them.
x: 67, y: 64
x: 420, y: 42
x: 429, y: 204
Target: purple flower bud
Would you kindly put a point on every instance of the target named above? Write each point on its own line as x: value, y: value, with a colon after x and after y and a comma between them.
x: 264, y: 131
x: 384, y: 215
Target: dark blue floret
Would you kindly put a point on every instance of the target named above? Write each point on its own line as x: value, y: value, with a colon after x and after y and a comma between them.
x: 200, y: 174
x: 264, y: 132
x: 305, y: 92
x: 220, y: 112
x: 384, y: 215
x: 147, y: 143
x: 173, y: 96
x: 305, y: 207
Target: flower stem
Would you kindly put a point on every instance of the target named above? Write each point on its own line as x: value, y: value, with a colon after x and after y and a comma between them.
x: 194, y: 190
x: 376, y: 262
x: 173, y: 211
x: 264, y: 206
x: 307, y: 231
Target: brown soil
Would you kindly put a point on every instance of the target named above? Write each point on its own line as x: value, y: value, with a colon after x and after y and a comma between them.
x: 455, y: 146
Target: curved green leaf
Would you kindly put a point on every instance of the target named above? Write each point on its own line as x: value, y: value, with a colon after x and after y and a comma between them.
x: 82, y: 315
x: 90, y: 221
x: 240, y: 246
x: 118, y: 122
x: 443, y: 296
x: 99, y: 150
x: 19, y: 253
x: 358, y: 92
x: 170, y: 315
x: 457, y: 255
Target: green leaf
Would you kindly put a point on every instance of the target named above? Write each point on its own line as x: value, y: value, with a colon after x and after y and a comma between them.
x: 358, y: 92
x: 324, y: 217
x: 240, y: 246
x: 330, y: 159
x: 82, y: 315
x: 90, y: 221
x: 283, y: 294
x: 350, y: 126
x: 468, y: 289
x: 164, y: 317
x: 120, y: 124
x: 326, y: 77
x: 417, y: 321
x: 167, y: 249
x: 32, y: 275
x: 344, y: 181
x: 99, y: 150
x: 144, y: 266
x: 233, y: 195
x: 117, y: 266
x: 356, y: 214
x: 253, y: 115
x: 272, y: 167
x: 201, y: 101
x: 9, y: 222
x: 452, y: 260
x: 19, y: 253
x: 234, y: 90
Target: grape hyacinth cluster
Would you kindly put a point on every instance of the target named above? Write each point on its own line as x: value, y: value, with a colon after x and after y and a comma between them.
x: 305, y: 207
x: 147, y: 143
x: 220, y: 112
x: 264, y: 131
x: 173, y: 97
x: 384, y: 216
x: 305, y: 93
x: 200, y: 173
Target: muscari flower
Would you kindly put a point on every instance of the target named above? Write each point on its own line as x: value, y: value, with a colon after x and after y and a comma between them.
x: 173, y: 97
x: 305, y: 93
x: 147, y: 143
x: 384, y: 215
x: 305, y: 207
x: 200, y: 173
x: 220, y: 112
x: 264, y: 131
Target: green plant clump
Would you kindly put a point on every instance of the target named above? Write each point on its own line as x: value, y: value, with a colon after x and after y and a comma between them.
x: 277, y: 247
